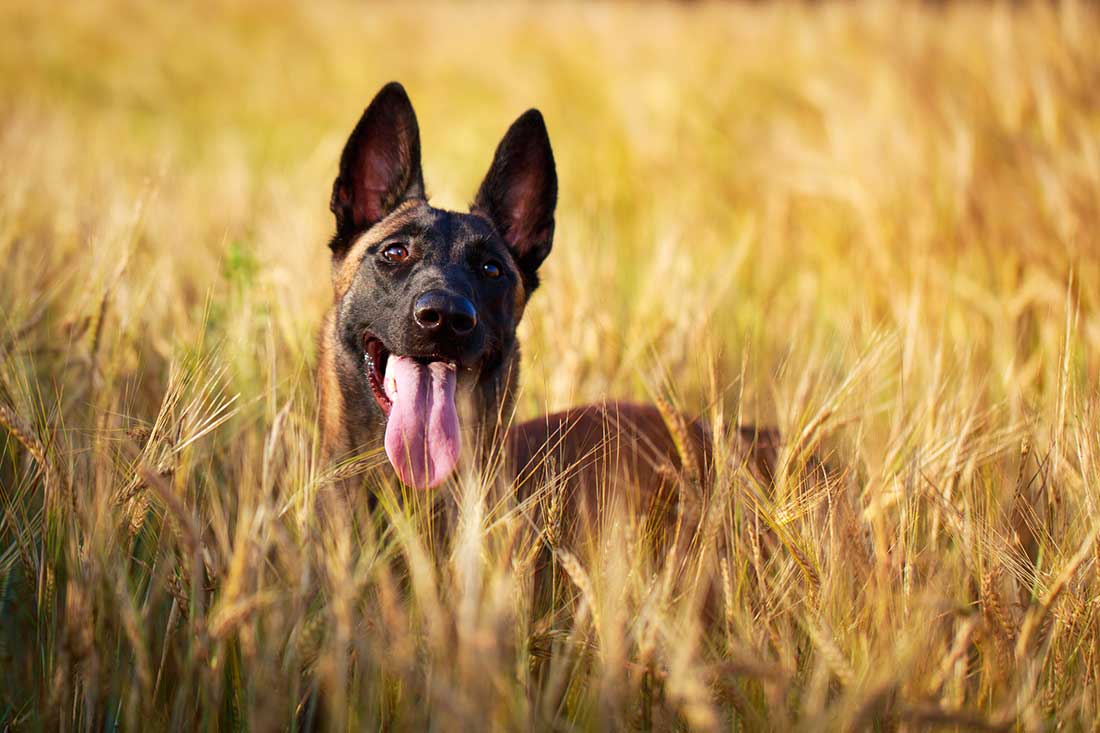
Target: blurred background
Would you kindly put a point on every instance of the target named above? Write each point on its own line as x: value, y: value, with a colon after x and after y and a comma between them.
x: 876, y: 225
x: 735, y: 180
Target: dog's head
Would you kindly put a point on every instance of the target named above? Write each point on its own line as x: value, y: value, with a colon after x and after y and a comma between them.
x: 427, y: 300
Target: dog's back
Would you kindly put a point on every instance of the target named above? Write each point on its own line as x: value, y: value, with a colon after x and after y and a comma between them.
x: 601, y: 457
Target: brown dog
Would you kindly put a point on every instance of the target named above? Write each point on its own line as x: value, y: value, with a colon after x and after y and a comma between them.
x: 419, y: 350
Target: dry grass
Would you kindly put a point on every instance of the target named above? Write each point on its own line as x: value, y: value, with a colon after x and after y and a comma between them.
x: 873, y: 225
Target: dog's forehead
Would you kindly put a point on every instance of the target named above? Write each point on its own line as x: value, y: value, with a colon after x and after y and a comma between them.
x: 446, y: 232
x: 455, y: 229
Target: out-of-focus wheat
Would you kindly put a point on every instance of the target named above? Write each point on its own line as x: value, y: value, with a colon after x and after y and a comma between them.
x: 873, y: 225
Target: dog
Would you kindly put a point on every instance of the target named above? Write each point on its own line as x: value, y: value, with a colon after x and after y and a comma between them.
x: 419, y: 350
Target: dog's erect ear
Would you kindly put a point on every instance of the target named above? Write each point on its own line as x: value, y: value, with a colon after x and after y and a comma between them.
x: 520, y: 191
x: 379, y: 168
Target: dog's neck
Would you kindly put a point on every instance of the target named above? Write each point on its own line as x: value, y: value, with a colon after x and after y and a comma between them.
x: 492, y: 402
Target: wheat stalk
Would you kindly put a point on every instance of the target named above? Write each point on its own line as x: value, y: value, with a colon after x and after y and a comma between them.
x: 21, y: 431
x: 579, y: 576
x: 1038, y: 614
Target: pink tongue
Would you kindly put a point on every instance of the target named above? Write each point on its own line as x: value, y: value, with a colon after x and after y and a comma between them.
x: 422, y: 437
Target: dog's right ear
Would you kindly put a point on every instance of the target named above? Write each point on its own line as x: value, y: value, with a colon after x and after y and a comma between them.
x: 379, y: 168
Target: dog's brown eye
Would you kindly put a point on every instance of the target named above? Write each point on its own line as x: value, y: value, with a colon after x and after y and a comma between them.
x: 491, y: 270
x: 395, y: 253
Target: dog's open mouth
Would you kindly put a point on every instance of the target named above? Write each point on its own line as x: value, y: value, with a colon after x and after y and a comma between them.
x: 376, y: 356
x: 417, y: 395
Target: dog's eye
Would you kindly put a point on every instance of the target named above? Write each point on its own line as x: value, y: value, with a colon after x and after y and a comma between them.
x: 491, y: 269
x: 395, y: 253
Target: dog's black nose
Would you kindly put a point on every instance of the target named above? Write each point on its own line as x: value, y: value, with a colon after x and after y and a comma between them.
x: 438, y: 310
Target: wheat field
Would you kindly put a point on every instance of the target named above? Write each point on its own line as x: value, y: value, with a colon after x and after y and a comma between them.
x: 873, y: 225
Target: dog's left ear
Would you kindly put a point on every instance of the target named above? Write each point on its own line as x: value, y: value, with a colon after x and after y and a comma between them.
x: 379, y: 168
x: 520, y: 191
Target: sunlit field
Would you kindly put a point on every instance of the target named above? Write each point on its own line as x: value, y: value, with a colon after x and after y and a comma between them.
x: 874, y: 226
